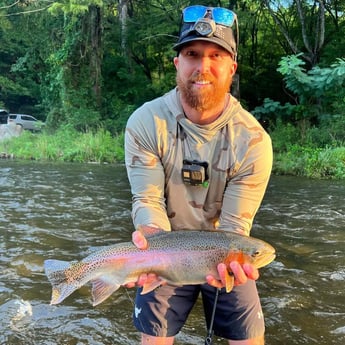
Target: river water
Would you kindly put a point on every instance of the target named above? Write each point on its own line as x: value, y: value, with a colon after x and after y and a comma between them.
x: 65, y: 211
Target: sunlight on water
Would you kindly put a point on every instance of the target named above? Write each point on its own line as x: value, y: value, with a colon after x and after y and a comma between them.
x: 66, y: 211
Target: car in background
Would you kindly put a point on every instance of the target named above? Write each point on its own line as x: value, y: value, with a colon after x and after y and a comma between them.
x: 28, y: 122
x: 3, y: 116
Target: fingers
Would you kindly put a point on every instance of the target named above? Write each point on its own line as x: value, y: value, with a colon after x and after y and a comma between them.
x: 223, y: 280
x: 130, y: 285
x: 243, y: 273
x: 144, y: 278
x: 140, y: 282
x: 238, y: 276
x: 251, y: 271
x: 223, y: 272
x: 211, y: 280
x: 139, y: 240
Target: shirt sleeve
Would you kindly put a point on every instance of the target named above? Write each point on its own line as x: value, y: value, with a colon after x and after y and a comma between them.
x: 145, y: 172
x: 246, y: 187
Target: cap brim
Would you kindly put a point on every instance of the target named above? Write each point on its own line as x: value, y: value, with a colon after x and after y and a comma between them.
x: 178, y: 46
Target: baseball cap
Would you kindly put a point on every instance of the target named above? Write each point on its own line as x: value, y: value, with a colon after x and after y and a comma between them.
x: 212, y: 24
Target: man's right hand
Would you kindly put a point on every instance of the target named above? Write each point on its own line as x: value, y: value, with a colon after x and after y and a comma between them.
x: 140, y: 242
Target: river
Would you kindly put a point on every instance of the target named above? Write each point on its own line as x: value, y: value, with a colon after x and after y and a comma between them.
x: 64, y: 211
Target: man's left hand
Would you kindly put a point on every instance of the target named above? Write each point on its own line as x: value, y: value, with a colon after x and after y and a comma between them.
x: 241, y: 274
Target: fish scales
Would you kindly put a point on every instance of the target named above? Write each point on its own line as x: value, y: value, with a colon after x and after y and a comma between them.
x: 177, y: 257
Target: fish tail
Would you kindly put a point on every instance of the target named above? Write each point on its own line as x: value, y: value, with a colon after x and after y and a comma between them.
x: 58, y: 273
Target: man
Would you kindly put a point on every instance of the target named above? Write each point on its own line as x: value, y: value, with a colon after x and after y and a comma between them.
x: 197, y: 160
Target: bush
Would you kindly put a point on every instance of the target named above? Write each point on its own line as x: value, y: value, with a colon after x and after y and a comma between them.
x: 67, y: 145
x: 314, y: 163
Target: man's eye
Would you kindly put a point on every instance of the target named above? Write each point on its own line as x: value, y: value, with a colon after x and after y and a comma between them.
x: 217, y: 56
x: 191, y: 53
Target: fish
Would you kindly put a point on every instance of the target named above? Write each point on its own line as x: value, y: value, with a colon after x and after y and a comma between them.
x: 182, y: 257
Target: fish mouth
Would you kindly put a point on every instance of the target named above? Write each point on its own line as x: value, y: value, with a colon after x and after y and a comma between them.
x: 264, y: 260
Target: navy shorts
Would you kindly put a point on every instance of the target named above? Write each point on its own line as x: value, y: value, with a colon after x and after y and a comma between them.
x: 164, y: 311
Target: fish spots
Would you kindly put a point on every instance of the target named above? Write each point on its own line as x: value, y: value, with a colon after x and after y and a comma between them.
x: 77, y: 269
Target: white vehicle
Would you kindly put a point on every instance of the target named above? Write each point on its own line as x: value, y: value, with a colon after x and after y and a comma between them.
x: 26, y: 121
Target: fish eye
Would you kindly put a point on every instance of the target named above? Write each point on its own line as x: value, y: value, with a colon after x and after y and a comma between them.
x: 256, y: 253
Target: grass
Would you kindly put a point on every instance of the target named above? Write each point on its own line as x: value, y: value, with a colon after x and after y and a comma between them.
x: 66, y: 145
x: 322, y: 163
x: 101, y: 147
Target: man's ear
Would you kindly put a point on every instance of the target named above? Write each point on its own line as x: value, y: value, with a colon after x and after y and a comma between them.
x: 176, y: 62
x: 233, y: 68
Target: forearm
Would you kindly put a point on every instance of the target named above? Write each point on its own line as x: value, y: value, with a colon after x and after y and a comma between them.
x: 146, y: 177
x: 245, y: 190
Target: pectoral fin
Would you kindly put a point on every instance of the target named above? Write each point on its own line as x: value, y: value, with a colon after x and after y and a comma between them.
x: 229, y: 281
x: 102, y: 288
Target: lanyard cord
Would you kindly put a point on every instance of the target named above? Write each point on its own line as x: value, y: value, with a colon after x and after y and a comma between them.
x: 208, y: 339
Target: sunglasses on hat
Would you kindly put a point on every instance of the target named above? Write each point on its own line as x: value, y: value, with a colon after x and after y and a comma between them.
x: 220, y: 15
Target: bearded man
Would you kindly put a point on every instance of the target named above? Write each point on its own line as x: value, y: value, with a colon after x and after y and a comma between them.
x: 197, y: 160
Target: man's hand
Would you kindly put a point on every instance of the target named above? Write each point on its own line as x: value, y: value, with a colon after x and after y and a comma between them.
x: 140, y: 242
x: 241, y: 274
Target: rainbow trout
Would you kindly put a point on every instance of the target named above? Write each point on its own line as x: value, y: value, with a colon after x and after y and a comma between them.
x: 176, y: 257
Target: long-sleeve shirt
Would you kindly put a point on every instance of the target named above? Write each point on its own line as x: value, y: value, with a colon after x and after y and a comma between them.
x: 238, y: 152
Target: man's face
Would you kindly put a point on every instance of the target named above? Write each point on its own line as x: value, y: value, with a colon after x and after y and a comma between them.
x: 204, y: 74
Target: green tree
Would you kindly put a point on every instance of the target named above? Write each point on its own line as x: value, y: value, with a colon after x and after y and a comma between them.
x: 17, y: 91
x: 89, y: 63
x: 308, y: 27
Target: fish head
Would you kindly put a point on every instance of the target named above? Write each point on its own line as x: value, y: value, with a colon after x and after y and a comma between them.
x: 246, y: 249
x: 262, y: 254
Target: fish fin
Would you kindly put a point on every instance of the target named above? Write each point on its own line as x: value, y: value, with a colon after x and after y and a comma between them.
x: 56, y: 273
x: 229, y: 281
x: 102, y: 288
x: 152, y: 285
x: 149, y: 231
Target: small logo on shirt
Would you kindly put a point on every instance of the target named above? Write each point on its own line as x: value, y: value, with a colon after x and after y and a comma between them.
x: 137, y: 311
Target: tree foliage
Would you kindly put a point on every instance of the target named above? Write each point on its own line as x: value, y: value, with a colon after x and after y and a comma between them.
x: 318, y: 102
x: 311, y: 87
x: 90, y: 63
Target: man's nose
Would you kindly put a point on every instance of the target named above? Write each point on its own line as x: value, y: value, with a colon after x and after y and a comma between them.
x: 204, y: 64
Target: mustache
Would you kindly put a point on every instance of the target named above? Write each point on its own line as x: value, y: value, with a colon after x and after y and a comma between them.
x: 201, y: 77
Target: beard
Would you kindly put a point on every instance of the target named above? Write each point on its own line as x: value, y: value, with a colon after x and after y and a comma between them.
x: 203, y: 99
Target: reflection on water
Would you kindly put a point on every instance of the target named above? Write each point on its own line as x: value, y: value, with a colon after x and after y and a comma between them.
x: 65, y: 211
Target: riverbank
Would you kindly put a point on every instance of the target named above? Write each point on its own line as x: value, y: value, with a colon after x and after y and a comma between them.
x: 101, y: 147
x: 65, y: 145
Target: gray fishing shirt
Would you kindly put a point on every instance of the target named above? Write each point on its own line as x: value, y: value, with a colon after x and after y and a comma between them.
x: 238, y: 152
